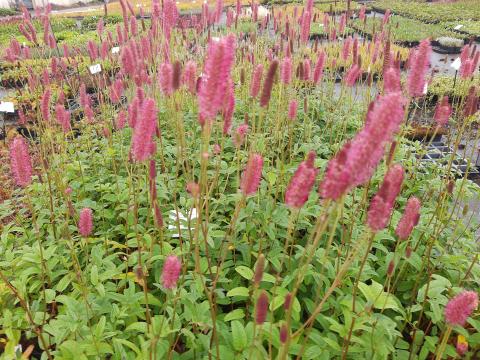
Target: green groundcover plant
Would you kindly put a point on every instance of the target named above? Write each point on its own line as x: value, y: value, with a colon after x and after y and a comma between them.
x: 404, y: 30
x: 433, y: 12
x: 228, y: 189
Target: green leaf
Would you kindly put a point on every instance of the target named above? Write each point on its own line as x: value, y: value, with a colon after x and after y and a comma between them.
x: 235, y: 315
x: 137, y: 326
x: 100, y: 328
x: 239, y: 336
x: 94, y: 275
x: 238, y: 291
x: 269, y: 278
x: 378, y: 298
x: 245, y: 272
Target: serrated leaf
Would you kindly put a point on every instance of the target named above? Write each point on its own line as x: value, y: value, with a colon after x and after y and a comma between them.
x: 100, y: 328
x: 235, y: 315
x: 269, y: 278
x: 378, y: 298
x: 245, y: 272
x: 94, y: 275
x: 238, y: 291
x: 239, y: 336
x: 137, y: 326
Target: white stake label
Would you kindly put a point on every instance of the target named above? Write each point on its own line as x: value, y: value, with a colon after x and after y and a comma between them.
x: 95, y: 69
x: 7, y: 107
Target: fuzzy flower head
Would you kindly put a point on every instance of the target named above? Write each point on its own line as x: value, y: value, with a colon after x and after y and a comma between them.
x: 418, y: 69
x: 356, y: 162
x: 143, y: 144
x: 381, y: 206
x: 292, y: 109
x: 63, y: 117
x: 268, y: 84
x: 286, y: 70
x: 352, y: 75
x: 460, y: 307
x: 256, y: 81
x: 189, y: 78
x: 85, y: 223
x: 318, y: 71
x: 442, y: 112
x: 261, y: 308
x: 45, y: 104
x: 20, y: 162
x: 252, y: 175
x: 165, y: 78
x: 409, y: 219
x: 391, y: 80
x: 302, y: 183
x: 240, y: 133
x: 171, y: 272
x: 218, y: 64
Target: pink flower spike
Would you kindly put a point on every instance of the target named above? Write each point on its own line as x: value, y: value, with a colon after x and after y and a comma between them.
x: 63, y: 117
x: 85, y: 223
x: 292, y: 109
x: 252, y: 175
x: 45, y: 104
x: 240, y: 133
x: 352, y: 75
x: 116, y: 91
x: 409, y: 219
x: 20, y: 162
x: 301, y: 183
x: 391, y: 80
x: 256, y: 81
x: 442, y: 112
x: 228, y: 107
x: 171, y: 272
x: 418, y: 69
x: 459, y: 308
x: 190, y: 76
x: 261, y: 308
x: 143, y: 144
x: 346, y: 48
x: 318, y: 71
x: 286, y: 71
x: 305, y: 29
x: 218, y: 65
x: 381, y: 206
x: 268, y: 84
x: 166, y: 78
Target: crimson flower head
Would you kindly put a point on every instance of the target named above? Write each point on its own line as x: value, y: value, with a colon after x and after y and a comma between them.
x: 356, y: 162
x: 143, y: 144
x: 459, y: 308
x: 286, y: 70
x: 391, y: 80
x: 442, y: 111
x: 20, y: 162
x: 409, y: 219
x: 252, y: 175
x: 171, y: 272
x: 302, y: 182
x: 261, y: 308
x: 165, y: 78
x: 418, y: 69
x: 292, y: 109
x: 85, y: 223
x: 318, y: 71
x: 256, y: 80
x: 382, y: 204
x: 268, y: 84
x: 216, y: 75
